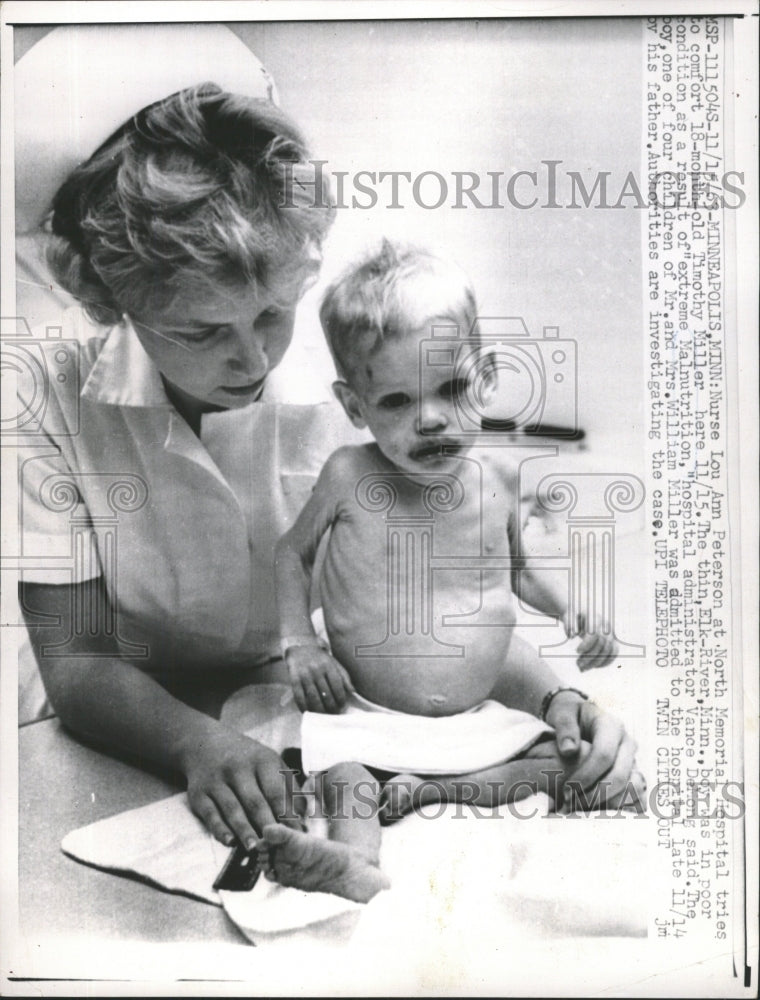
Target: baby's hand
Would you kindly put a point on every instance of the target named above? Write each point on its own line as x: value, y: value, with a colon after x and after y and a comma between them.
x: 597, y: 648
x: 320, y: 683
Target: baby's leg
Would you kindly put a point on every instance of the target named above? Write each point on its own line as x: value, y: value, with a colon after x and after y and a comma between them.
x: 346, y: 864
x: 350, y: 796
x: 540, y: 769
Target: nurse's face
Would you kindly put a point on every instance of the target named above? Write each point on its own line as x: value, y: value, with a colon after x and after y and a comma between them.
x: 217, y: 345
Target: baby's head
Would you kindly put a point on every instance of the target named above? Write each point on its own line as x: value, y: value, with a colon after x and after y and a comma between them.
x: 374, y: 317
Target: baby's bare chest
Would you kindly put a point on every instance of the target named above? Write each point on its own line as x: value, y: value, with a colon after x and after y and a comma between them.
x: 466, y: 527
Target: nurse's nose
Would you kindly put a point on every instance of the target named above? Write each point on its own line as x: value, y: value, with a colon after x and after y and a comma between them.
x: 432, y: 417
x: 248, y: 351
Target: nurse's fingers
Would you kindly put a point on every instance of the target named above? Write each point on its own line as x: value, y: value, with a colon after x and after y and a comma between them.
x: 614, y: 788
x: 616, y: 781
x: 605, y: 733
x: 334, y: 676
x: 264, y: 796
x: 296, y: 682
x: 634, y: 794
x: 299, y: 694
x: 208, y: 814
x: 612, y: 754
x: 276, y: 786
x: 313, y: 697
x: 229, y: 805
x: 347, y: 682
x: 325, y: 691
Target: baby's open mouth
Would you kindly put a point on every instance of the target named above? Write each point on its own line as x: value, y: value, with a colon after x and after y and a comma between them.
x: 436, y: 450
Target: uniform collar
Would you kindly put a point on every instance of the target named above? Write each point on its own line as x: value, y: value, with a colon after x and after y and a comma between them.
x: 123, y: 374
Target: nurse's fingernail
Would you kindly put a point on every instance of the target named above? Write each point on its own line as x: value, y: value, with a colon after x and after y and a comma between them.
x: 228, y: 839
x: 567, y: 744
x: 250, y: 844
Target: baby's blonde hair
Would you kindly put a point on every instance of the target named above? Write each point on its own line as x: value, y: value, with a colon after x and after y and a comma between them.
x: 396, y: 288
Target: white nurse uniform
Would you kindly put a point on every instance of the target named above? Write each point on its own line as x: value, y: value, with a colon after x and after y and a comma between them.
x: 181, y: 527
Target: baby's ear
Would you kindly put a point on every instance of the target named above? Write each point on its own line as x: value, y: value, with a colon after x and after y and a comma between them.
x: 350, y: 403
x: 489, y: 376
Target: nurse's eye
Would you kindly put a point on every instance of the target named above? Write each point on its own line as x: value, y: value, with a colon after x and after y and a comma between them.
x: 393, y: 401
x: 202, y: 337
x: 268, y: 315
x: 455, y: 389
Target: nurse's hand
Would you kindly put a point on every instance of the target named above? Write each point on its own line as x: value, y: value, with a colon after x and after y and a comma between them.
x: 237, y: 786
x: 319, y: 682
x: 607, y: 776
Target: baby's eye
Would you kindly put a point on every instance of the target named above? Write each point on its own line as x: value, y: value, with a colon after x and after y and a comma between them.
x: 455, y: 389
x: 394, y: 401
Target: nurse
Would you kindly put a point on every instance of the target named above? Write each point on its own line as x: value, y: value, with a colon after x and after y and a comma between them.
x: 168, y: 461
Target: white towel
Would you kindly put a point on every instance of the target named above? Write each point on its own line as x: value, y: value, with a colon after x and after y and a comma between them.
x: 466, y: 878
x: 488, y: 734
x: 461, y: 877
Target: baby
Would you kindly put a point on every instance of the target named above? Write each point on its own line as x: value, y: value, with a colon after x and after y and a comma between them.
x: 416, y: 585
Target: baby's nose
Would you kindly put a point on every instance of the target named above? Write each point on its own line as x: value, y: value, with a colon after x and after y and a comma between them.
x: 432, y: 417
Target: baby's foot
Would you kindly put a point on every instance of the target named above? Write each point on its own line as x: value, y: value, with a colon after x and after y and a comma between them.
x: 317, y: 865
x: 405, y: 792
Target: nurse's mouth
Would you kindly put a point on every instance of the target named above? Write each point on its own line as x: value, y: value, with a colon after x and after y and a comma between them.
x: 251, y: 389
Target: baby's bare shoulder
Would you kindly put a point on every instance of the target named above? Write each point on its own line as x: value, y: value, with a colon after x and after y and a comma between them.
x: 500, y: 470
x: 348, y: 464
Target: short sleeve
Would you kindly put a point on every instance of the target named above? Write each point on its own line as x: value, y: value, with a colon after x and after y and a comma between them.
x: 56, y: 538
x: 58, y: 542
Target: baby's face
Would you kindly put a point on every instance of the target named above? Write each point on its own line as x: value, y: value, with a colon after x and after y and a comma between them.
x: 410, y: 408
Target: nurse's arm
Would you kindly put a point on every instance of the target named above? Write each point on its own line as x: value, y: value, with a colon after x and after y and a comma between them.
x: 235, y: 784
x: 526, y: 680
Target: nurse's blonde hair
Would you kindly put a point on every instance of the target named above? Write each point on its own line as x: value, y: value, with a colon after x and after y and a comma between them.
x: 202, y: 187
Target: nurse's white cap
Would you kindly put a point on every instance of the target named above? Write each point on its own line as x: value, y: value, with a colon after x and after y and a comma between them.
x: 79, y: 83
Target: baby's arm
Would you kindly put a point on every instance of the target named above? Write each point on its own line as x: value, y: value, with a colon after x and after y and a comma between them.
x: 539, y: 589
x: 320, y: 683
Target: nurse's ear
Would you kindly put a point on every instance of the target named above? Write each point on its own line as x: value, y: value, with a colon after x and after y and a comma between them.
x: 350, y: 402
